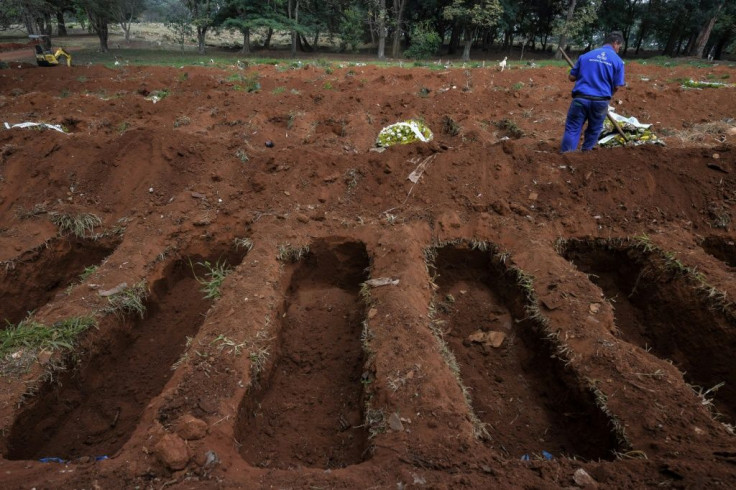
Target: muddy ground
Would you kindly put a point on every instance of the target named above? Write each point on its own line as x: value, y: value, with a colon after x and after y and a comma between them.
x: 514, y: 318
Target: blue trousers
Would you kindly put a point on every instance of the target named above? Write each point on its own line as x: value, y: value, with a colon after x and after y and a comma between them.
x: 581, y: 110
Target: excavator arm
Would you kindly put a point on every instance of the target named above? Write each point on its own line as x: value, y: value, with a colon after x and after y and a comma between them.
x: 60, y: 52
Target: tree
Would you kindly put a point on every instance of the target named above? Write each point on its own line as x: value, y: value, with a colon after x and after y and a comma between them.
x: 100, y: 14
x: 580, y: 17
x: 472, y: 16
x: 562, y: 44
x: 398, y: 26
x: 203, y: 13
x: 179, y: 22
x: 704, y: 34
x: 125, y: 11
x: 246, y: 15
x: 382, y: 17
x: 351, y: 28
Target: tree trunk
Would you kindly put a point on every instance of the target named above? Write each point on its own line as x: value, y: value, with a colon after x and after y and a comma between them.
x: 466, y: 49
x: 293, y: 11
x: 454, y: 39
x: 102, y: 34
x: 126, y: 28
x: 563, y: 35
x: 61, y: 29
x: 201, y: 34
x: 267, y: 41
x: 720, y: 46
x: 303, y: 44
x: 674, y: 36
x: 246, y: 41
x: 399, y: 11
x: 382, y: 30
x: 704, y: 34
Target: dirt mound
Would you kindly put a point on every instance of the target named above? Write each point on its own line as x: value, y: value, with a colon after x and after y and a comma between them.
x: 477, y: 310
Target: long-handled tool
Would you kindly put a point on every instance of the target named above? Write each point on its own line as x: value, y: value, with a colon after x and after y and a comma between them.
x: 610, y: 117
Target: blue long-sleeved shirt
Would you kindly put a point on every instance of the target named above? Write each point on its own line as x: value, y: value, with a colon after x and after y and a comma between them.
x: 598, y: 72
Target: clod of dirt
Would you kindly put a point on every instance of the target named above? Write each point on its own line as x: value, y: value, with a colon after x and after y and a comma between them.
x: 173, y: 452
x: 191, y: 428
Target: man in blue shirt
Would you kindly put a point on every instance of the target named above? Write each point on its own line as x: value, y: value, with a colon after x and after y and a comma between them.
x: 597, y: 75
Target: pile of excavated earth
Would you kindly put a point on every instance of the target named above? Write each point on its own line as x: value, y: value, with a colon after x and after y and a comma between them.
x: 213, y: 277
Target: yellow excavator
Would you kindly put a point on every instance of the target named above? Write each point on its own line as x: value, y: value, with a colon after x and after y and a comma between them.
x: 46, y: 57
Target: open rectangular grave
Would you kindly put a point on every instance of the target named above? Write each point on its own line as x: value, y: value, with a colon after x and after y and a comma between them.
x: 519, y: 390
x: 39, y: 275
x: 92, y: 409
x: 306, y: 408
x: 722, y: 248
x: 659, y: 310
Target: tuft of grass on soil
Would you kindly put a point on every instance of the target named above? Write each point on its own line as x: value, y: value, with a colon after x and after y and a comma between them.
x: 450, y: 127
x: 88, y: 271
x: 79, y: 225
x: 510, y: 127
x: 213, y: 278
x: 244, y: 243
x: 290, y: 253
x: 31, y: 335
x: 129, y: 300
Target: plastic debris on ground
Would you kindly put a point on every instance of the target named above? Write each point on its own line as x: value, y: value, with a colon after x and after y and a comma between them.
x: 55, y: 127
x: 637, y: 132
x: 404, y: 132
x: 545, y: 455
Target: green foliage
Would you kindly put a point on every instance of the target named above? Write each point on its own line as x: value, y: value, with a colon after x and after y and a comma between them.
x: 473, y: 14
x: 88, y: 271
x: 29, y: 334
x: 351, y: 28
x: 425, y: 42
x: 179, y: 22
x: 213, y: 278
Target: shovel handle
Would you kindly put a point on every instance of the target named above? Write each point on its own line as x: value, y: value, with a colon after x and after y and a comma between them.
x: 610, y: 117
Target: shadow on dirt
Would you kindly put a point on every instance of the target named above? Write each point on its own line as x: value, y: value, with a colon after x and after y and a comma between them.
x: 93, y: 409
x: 724, y: 249
x: 308, y: 410
x: 40, y: 274
x: 529, y: 402
x: 659, y: 311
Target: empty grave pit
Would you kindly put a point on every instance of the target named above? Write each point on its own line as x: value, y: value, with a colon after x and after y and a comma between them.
x: 39, y: 275
x: 658, y: 310
x: 92, y: 409
x: 526, y: 398
x: 306, y: 408
x: 722, y: 248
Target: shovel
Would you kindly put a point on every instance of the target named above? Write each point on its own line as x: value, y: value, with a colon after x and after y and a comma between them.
x: 610, y: 117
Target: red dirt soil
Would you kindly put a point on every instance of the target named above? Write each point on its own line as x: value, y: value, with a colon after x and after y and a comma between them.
x: 551, y: 320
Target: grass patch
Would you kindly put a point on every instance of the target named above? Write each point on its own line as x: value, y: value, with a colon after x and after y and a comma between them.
x: 450, y: 127
x: 290, y: 253
x: 510, y: 128
x: 213, y: 278
x: 131, y: 300
x: 79, y: 225
x: 88, y: 271
x: 32, y: 335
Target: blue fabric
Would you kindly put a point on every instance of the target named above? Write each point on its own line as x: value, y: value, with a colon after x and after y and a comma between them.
x: 581, y: 110
x: 597, y: 72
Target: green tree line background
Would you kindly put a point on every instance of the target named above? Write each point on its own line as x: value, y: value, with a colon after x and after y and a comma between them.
x: 407, y: 28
